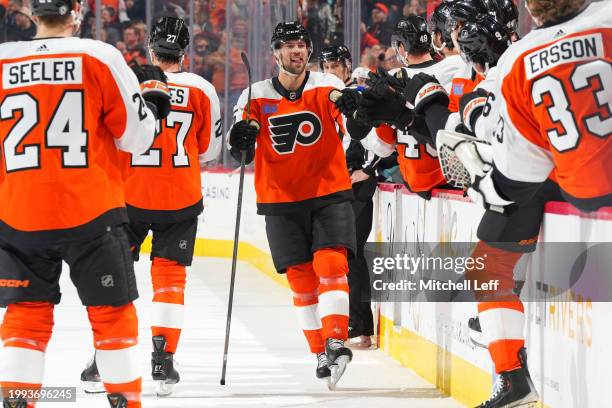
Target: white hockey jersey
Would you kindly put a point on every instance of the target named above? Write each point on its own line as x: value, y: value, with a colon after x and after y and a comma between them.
x: 553, y: 108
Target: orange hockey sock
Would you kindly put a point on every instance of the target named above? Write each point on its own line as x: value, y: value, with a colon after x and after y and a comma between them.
x: 25, y: 333
x: 168, y: 279
x: 304, y: 284
x: 115, y: 331
x: 331, y: 266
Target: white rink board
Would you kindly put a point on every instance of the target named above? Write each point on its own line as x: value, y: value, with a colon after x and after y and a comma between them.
x: 567, y: 343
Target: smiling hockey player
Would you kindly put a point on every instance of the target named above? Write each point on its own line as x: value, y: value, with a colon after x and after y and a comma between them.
x: 304, y: 190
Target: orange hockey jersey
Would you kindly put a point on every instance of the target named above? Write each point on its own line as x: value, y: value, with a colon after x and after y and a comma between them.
x: 554, y: 108
x: 462, y: 84
x: 418, y: 162
x: 164, y: 183
x: 67, y: 106
x: 299, y: 159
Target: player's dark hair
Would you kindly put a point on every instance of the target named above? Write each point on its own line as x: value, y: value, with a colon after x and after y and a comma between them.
x: 54, y: 21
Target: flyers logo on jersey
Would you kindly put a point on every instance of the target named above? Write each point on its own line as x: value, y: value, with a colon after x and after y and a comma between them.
x: 303, y: 128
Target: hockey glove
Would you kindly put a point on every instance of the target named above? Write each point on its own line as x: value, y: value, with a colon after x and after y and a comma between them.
x: 243, y: 135
x: 154, y: 88
x: 380, y: 81
x: 389, y: 107
x: 348, y: 102
x: 471, y: 106
x: 423, y: 89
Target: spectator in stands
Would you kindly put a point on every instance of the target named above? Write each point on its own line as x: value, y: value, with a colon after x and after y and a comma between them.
x: 390, y: 62
x: 22, y: 28
x: 103, y: 34
x: 320, y: 23
x: 380, y: 30
x: 135, y: 9
x: 373, y: 57
x: 132, y: 47
x: 414, y: 7
x: 204, y: 43
x: 141, y: 31
x: 109, y: 22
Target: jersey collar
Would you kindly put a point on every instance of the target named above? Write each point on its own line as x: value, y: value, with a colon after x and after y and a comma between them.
x: 422, y: 64
x: 290, y: 95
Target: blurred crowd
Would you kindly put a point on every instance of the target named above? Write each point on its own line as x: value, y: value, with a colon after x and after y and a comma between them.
x: 123, y: 25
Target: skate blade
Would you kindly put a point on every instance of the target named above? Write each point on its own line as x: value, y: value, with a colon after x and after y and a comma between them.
x: 163, y: 389
x: 330, y: 386
x: 337, y: 369
x: 93, y: 387
x: 530, y: 401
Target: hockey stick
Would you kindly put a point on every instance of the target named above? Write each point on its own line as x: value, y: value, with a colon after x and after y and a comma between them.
x: 245, y: 60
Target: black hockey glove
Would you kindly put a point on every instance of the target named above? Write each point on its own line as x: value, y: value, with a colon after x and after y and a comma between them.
x: 243, y: 136
x: 349, y: 101
x: 154, y: 88
x: 471, y: 106
x: 423, y: 89
x: 389, y: 107
x: 381, y: 80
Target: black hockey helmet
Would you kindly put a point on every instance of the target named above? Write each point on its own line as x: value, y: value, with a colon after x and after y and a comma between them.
x: 506, y: 13
x: 287, y: 31
x: 465, y: 10
x: 414, y: 33
x: 169, y: 37
x: 483, y: 40
x: 336, y: 53
x: 52, y: 7
x: 438, y: 23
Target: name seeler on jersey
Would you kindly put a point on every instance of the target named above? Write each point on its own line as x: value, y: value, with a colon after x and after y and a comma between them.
x: 299, y: 159
x: 60, y: 171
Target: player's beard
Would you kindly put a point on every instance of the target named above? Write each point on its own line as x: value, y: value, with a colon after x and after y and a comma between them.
x: 293, y: 69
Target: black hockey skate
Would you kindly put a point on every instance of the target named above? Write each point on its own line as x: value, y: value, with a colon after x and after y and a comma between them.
x: 338, y: 357
x: 162, y: 368
x: 513, y: 388
x: 15, y: 403
x: 476, y: 332
x: 90, y: 378
x: 117, y: 401
x: 323, y: 372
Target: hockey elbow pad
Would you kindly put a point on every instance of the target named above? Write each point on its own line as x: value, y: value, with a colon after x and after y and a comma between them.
x: 423, y: 89
x: 471, y: 106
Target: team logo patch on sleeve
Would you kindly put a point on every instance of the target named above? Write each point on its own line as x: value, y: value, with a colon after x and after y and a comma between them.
x: 303, y: 128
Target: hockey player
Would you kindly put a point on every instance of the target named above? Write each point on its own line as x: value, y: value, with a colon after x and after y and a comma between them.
x: 337, y: 60
x: 164, y: 194
x: 504, y: 12
x: 559, y: 124
x: 440, y: 34
x: 465, y: 81
x: 68, y: 105
x: 530, y: 139
x: 418, y: 162
x: 303, y: 189
x: 361, y: 166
